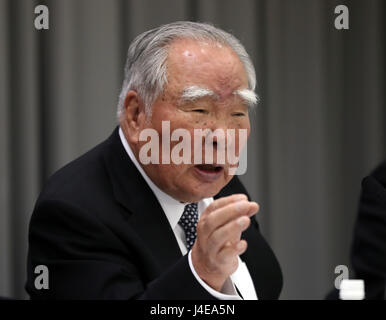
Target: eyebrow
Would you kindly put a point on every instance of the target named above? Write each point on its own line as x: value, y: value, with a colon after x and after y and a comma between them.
x: 249, y: 97
x: 193, y: 93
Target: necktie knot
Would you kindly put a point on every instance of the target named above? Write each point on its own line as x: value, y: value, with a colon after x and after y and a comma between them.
x: 188, y: 222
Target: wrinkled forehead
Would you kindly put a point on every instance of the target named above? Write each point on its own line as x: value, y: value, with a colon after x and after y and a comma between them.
x: 205, y: 64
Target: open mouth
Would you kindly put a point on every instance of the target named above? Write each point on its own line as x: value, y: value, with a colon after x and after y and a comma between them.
x: 210, y: 168
x: 209, y: 172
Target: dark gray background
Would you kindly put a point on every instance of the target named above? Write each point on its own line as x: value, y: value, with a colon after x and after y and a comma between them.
x: 319, y: 128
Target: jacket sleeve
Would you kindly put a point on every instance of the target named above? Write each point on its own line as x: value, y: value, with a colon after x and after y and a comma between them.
x: 86, y: 260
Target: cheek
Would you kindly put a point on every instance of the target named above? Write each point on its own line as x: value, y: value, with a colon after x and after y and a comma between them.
x: 244, y: 124
x: 238, y: 141
x: 170, y: 175
x: 172, y: 170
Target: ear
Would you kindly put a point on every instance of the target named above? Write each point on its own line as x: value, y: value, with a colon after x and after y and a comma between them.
x: 133, y: 117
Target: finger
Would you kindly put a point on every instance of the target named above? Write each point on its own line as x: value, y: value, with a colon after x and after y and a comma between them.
x: 225, y: 214
x: 219, y: 203
x: 228, y: 234
x: 253, y: 209
x: 228, y: 253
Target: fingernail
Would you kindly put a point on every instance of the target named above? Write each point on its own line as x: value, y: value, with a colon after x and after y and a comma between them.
x: 242, y: 222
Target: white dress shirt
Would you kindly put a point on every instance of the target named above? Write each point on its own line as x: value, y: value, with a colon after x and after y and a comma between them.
x: 173, y: 210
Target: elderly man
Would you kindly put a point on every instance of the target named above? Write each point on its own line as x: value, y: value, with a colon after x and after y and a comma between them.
x: 110, y: 226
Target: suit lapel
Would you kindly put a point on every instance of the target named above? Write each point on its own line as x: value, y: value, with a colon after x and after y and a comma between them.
x: 144, y: 212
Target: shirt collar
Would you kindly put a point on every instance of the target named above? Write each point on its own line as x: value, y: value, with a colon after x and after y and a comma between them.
x: 173, y: 208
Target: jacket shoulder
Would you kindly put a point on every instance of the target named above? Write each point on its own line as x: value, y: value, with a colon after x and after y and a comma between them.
x: 84, y: 182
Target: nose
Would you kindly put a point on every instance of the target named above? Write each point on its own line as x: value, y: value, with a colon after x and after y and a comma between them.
x: 217, y: 134
x: 219, y: 124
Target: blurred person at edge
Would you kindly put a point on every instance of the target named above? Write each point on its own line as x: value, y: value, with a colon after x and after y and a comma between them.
x: 368, y: 249
x: 109, y: 227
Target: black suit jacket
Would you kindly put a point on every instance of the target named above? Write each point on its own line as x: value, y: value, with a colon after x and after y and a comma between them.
x: 368, y: 253
x: 101, y: 232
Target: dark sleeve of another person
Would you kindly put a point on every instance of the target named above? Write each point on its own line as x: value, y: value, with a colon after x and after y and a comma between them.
x: 369, y: 244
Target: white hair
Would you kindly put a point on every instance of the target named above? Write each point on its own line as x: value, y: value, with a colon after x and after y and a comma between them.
x: 145, y: 69
x: 249, y: 96
x: 192, y: 93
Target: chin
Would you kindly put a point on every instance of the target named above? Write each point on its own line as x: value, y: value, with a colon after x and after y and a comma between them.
x: 202, y: 193
x: 195, y: 188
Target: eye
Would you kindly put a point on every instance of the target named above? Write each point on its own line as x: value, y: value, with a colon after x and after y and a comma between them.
x: 238, y: 114
x: 199, y: 110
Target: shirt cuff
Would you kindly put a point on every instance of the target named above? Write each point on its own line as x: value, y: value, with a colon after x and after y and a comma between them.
x: 228, y: 288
